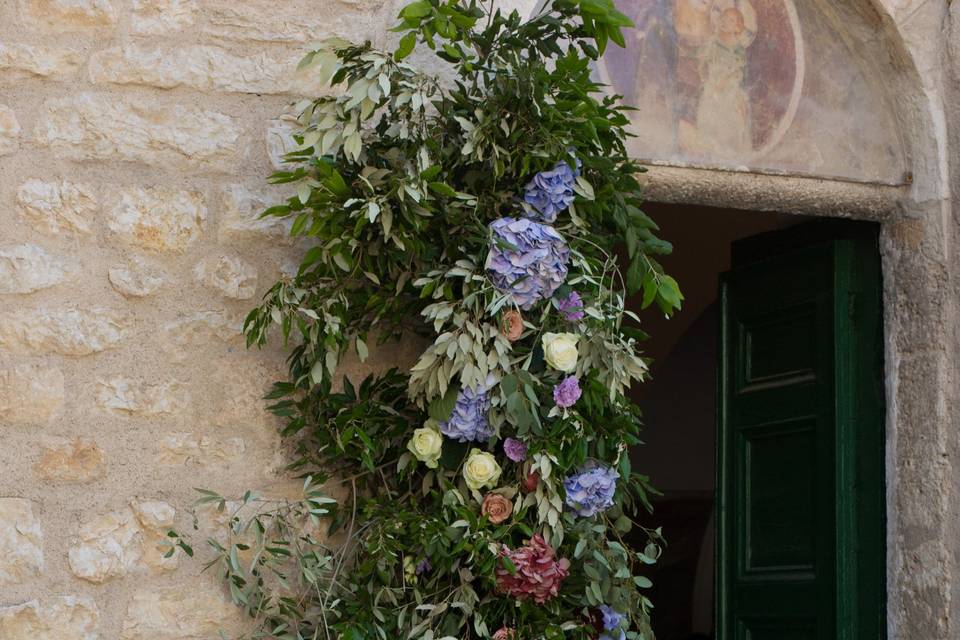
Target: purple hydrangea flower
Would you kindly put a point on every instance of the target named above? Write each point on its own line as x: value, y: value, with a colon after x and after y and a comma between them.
x: 567, y: 392
x: 515, y: 449
x: 527, y: 259
x: 590, y: 490
x: 612, y: 621
x: 423, y: 566
x: 550, y: 192
x: 469, y: 421
x: 571, y: 307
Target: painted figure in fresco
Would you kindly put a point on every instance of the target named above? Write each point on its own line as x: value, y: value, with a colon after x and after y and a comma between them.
x: 723, y: 126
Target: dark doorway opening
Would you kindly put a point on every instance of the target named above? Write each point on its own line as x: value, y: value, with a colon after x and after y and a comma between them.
x: 679, y: 404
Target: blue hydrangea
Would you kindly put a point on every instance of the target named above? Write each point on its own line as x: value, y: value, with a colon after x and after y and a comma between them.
x: 590, y: 490
x: 527, y: 259
x: 613, y: 622
x: 550, y: 192
x: 469, y: 421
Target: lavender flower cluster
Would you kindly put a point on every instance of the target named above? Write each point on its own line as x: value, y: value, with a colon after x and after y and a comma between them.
x: 469, y: 421
x: 550, y: 192
x: 590, y: 490
x: 527, y: 259
x: 612, y: 624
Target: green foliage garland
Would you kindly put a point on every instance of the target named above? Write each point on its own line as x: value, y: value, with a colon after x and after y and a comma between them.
x: 398, y: 179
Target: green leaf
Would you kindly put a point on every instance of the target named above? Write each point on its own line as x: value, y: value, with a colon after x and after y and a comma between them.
x: 405, y: 48
x: 416, y: 10
x: 442, y: 408
x: 442, y: 188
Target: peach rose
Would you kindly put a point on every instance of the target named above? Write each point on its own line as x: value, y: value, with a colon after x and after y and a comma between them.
x: 511, y: 325
x: 504, y: 633
x: 496, y: 508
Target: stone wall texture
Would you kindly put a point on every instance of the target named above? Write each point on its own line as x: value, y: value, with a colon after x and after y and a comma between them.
x: 135, y: 139
x: 135, y: 136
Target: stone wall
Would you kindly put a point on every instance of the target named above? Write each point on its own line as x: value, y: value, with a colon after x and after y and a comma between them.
x: 135, y: 136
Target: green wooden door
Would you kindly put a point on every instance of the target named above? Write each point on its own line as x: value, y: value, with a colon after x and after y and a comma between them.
x: 800, y: 458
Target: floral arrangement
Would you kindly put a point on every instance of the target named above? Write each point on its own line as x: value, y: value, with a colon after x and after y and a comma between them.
x: 486, y: 492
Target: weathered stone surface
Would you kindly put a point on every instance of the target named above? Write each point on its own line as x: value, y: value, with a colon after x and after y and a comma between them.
x: 191, y: 448
x: 67, y: 15
x: 22, y: 61
x: 192, y: 611
x: 135, y: 278
x: 301, y: 21
x: 61, y: 618
x: 104, y: 127
x: 158, y: 219
x: 123, y: 395
x: 9, y: 131
x: 279, y: 141
x: 57, y: 207
x: 240, y: 220
x: 203, y: 67
x: 71, y: 332
x: 157, y: 17
x: 25, y: 268
x: 230, y: 275
x: 202, y: 328
x: 118, y: 543
x: 78, y: 462
x: 21, y: 541
x: 30, y: 394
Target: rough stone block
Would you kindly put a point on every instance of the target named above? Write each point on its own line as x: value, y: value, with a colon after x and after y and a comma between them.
x: 61, y: 618
x: 190, y: 448
x: 68, y: 15
x: 123, y: 395
x: 158, y: 17
x: 158, y: 219
x: 136, y: 278
x: 191, y: 611
x: 107, y: 127
x: 301, y: 21
x: 71, y: 332
x: 79, y: 462
x: 57, y: 207
x: 22, y: 61
x: 30, y: 394
x: 205, y: 68
x: 118, y: 543
x: 230, y: 275
x: 240, y: 219
x: 21, y: 541
x: 25, y: 268
x: 9, y: 131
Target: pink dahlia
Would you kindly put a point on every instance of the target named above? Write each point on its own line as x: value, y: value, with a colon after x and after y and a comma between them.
x: 538, y: 575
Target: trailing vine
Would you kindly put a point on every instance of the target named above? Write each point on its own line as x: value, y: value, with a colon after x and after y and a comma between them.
x: 485, y: 492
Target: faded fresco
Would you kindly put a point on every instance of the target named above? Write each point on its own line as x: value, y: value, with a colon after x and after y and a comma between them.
x: 751, y: 84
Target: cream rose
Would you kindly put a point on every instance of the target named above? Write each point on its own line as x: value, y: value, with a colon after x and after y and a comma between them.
x: 560, y: 351
x: 481, y: 470
x: 427, y: 444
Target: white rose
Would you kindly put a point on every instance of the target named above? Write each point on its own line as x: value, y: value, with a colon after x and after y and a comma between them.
x: 427, y: 444
x: 480, y: 470
x: 560, y: 351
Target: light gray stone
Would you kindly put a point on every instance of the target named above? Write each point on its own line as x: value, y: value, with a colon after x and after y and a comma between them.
x: 57, y: 207
x: 9, y: 131
x: 123, y: 395
x: 68, y: 15
x: 21, y: 542
x: 205, y: 68
x: 30, y: 393
x: 59, y: 618
x: 159, y: 17
x: 230, y: 275
x: 135, y: 278
x: 71, y: 332
x: 25, y: 268
x: 159, y: 220
x: 23, y: 61
x: 103, y: 127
